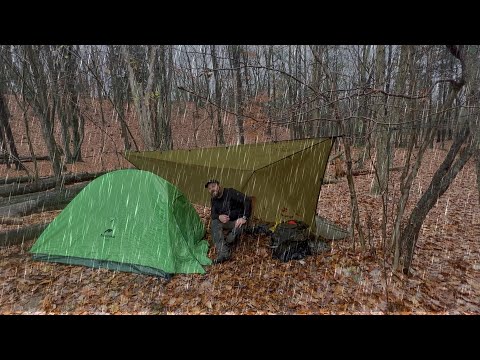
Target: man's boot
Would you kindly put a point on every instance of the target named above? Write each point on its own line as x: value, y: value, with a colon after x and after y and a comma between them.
x: 223, y: 252
x: 220, y: 259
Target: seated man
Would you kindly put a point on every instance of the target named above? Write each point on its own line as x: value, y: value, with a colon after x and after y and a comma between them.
x: 230, y: 210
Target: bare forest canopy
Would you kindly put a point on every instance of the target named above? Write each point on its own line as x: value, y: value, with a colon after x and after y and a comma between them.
x: 75, y: 108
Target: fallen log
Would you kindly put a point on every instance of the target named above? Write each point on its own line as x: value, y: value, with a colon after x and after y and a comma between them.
x: 19, y: 235
x: 18, y: 209
x: 11, y: 221
x: 10, y: 201
x: 368, y: 172
x: 19, y: 198
x: 15, y: 189
x: 16, y: 180
x: 44, y: 201
x: 329, y: 180
x: 4, y: 160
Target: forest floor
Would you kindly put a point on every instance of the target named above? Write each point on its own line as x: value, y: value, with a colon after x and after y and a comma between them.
x: 445, y: 275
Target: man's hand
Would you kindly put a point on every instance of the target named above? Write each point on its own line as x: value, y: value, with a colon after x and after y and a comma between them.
x: 224, y: 218
x: 240, y: 222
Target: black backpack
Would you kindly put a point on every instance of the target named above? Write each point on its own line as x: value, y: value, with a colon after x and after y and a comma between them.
x: 289, y: 241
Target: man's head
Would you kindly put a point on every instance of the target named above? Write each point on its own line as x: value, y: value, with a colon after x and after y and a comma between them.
x: 214, y: 188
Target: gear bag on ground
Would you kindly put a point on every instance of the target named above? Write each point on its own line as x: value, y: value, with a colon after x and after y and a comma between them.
x: 289, y: 241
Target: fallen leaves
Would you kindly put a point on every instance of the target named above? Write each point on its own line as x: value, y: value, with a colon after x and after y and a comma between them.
x: 446, y: 271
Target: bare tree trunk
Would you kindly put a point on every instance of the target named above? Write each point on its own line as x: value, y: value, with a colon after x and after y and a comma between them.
x: 347, y: 142
x: 355, y: 214
x: 141, y: 95
x: 235, y: 51
x: 308, y: 125
x: 218, y: 96
x: 406, y: 180
x: 245, y: 72
x: 400, y: 105
x: 58, y: 70
x: 441, y: 180
x: 118, y: 85
x: 45, y: 107
x: 273, y: 101
x: 30, y: 146
x: 270, y: 88
x: 291, y: 97
x: 382, y: 135
x: 478, y: 173
x: 447, y: 172
x: 398, y: 114
x: 77, y: 119
x: 316, y: 84
x: 23, y: 104
x: 363, y: 126
x: 99, y: 87
x: 64, y: 70
x: 6, y: 135
x: 4, y: 147
x: 297, y: 95
x: 64, y: 123
x: 209, y: 107
x: 164, y: 103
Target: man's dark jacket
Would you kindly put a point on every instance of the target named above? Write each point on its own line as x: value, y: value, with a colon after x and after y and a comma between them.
x: 232, y: 203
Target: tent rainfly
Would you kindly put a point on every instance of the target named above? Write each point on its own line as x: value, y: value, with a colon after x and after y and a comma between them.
x: 285, y: 177
x: 127, y: 220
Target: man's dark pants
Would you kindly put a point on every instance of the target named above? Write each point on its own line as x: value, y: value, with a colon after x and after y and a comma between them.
x: 223, y: 244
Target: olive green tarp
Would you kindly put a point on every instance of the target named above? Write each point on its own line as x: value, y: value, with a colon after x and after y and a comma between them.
x: 127, y: 220
x: 285, y: 177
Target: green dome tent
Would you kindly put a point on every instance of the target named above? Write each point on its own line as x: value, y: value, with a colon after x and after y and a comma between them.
x: 127, y: 220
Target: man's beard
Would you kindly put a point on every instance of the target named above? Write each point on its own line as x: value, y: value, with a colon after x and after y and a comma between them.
x: 217, y: 194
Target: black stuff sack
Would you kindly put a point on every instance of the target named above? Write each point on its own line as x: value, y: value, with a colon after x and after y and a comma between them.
x: 289, y: 241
